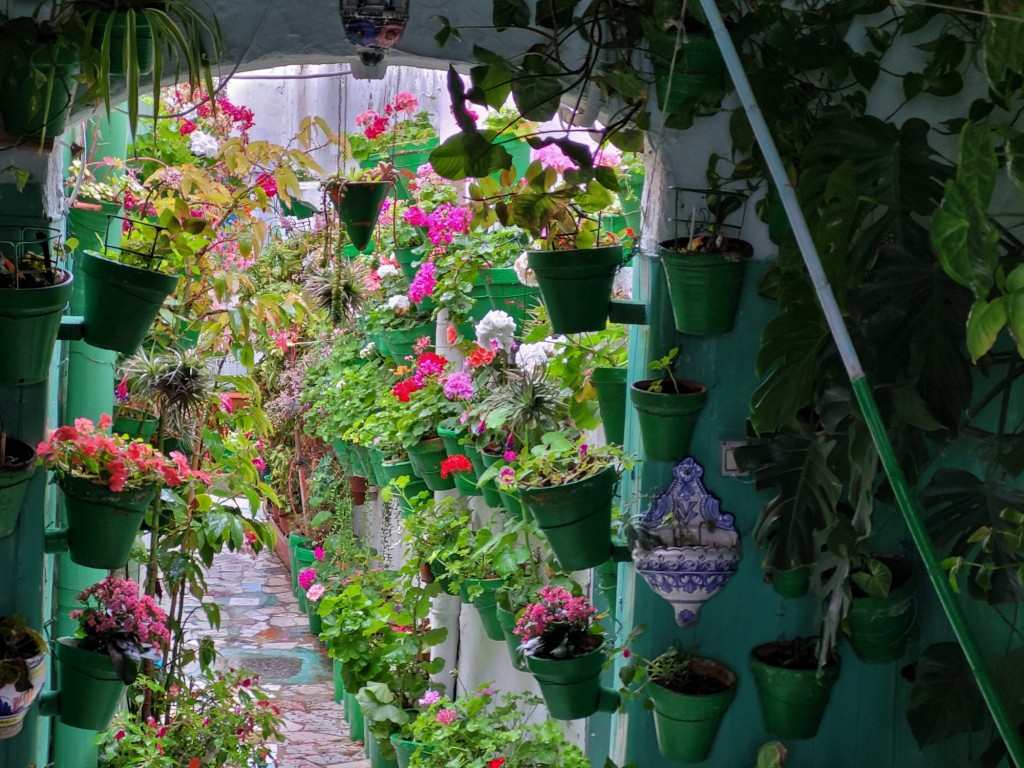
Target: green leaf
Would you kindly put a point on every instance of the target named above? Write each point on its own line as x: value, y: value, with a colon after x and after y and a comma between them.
x: 1003, y: 41
x: 965, y: 240
x: 944, y: 700
x: 913, y: 84
x: 537, y: 95
x: 624, y: 80
x: 983, y: 325
x: 555, y: 14
x: 510, y: 13
x: 469, y: 155
x: 493, y: 81
x: 628, y: 140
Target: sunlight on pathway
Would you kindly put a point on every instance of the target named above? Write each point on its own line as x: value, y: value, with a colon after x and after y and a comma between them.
x: 263, y: 632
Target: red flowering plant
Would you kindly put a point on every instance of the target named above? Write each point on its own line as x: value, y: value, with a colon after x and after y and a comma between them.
x: 481, y: 730
x: 558, y: 625
x: 400, y: 123
x: 114, y: 461
x: 217, y: 719
x: 433, y: 393
x: 120, y: 623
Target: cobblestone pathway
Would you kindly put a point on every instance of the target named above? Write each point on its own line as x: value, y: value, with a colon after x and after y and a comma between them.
x: 263, y: 632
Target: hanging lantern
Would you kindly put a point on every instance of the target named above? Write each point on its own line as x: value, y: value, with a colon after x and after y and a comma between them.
x: 373, y: 26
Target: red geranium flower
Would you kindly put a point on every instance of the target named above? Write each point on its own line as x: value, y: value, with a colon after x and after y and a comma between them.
x: 453, y: 464
x: 496, y: 762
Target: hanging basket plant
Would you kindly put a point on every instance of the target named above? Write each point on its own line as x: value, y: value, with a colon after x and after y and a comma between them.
x: 359, y: 201
x: 17, y: 465
x: 33, y: 295
x: 705, y: 280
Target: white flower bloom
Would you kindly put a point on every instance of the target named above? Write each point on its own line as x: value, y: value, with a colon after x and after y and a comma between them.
x: 202, y: 144
x: 387, y: 270
x: 496, y: 331
x: 399, y: 304
x: 529, y: 356
x: 368, y: 350
x: 523, y: 272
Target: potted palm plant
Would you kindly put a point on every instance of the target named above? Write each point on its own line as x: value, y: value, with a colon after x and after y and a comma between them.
x: 22, y: 672
x: 125, y: 39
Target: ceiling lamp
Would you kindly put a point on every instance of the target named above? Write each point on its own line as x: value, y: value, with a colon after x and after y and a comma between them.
x: 373, y: 26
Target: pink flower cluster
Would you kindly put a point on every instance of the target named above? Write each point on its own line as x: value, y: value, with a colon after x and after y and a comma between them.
x: 459, y: 386
x: 307, y: 577
x: 553, y: 157
x: 423, y: 284
x: 556, y: 609
x: 428, y: 365
x: 112, y: 460
x: 113, y: 607
x: 443, y: 223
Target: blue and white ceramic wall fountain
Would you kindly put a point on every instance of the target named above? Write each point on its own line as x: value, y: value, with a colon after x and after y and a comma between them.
x: 699, y: 545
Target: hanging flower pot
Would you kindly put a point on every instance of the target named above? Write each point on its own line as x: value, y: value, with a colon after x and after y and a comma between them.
x: 17, y: 465
x: 610, y: 384
x: 401, y: 343
x: 506, y: 294
x: 90, y: 688
x: 667, y: 418
x: 103, y: 524
x: 687, y: 68
x: 486, y: 604
x: 488, y: 490
x: 792, y: 690
x: 571, y: 687
x: 407, y: 157
x: 38, y: 70
x: 114, y: 26
x: 377, y: 466
x: 465, y: 481
x: 94, y: 224
x: 689, y: 548
x: 135, y: 424
x: 577, y: 286
x: 426, y: 457
x: 576, y: 518
x: 359, y: 204
x: 507, y: 496
x: 686, y: 719
x: 879, y: 627
x: 363, y: 465
x: 22, y: 672
x: 507, y: 623
x: 393, y: 470
x: 704, y: 286
x: 120, y: 301
x: 793, y: 582
x: 30, y: 313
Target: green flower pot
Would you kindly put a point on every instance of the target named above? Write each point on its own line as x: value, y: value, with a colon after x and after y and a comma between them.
x: 686, y: 724
x: 30, y: 108
x: 465, y: 482
x: 409, y: 261
x: 667, y: 420
x: 354, y: 715
x: 792, y: 700
x: 405, y: 749
x: 879, y: 627
x: 343, y: 452
x: 571, y: 687
x: 407, y: 158
x: 576, y: 518
x: 362, y: 464
x: 507, y: 622
x: 426, y: 457
x: 94, y: 225
x: 775, y: 213
x: 121, y: 301
x: 316, y: 624
x: 697, y: 70
x: 139, y: 425
x: 704, y: 288
x: 358, y: 204
x: 509, y: 498
x: 793, y: 582
x: 295, y: 540
x: 486, y: 604
x: 396, y: 469
x: 142, y: 42
x: 29, y: 322
x: 400, y: 343
x: 303, y: 559
x: 577, y: 286
x: 373, y: 750
x: 15, y: 472
x: 610, y: 384
x: 507, y: 294
x: 102, y: 524
x: 90, y: 689
x: 377, y: 466
x: 339, y: 686
x: 489, y: 490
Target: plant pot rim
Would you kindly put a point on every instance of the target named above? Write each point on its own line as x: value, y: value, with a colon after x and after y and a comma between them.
x: 22, y: 464
x: 541, y: 488
x: 733, y: 247
x: 65, y: 277
x: 758, y: 651
x: 707, y: 668
x: 696, y: 386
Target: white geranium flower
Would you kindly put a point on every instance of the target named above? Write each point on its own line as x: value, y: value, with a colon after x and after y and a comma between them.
x: 387, y: 270
x: 496, y: 331
x: 202, y: 144
x: 529, y: 356
x: 368, y: 350
x: 399, y: 304
x: 523, y: 272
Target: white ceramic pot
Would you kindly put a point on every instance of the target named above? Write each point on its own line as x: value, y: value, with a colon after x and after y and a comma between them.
x: 14, y: 704
x: 687, y: 576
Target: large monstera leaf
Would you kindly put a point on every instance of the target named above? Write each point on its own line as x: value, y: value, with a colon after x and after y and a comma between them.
x: 798, y: 465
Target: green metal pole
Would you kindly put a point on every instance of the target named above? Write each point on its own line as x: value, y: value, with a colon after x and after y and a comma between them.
x: 862, y: 390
